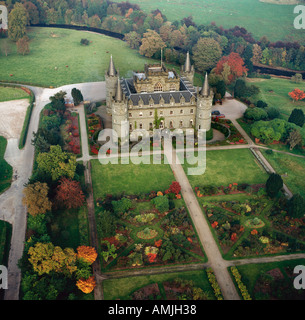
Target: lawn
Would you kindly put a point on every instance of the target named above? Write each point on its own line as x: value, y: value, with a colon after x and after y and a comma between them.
x: 123, y: 288
x: 224, y: 167
x: 56, y: 58
x: 291, y: 168
x: 129, y: 178
x: 273, y: 21
x: 6, y: 170
x: 9, y: 93
x: 275, y: 91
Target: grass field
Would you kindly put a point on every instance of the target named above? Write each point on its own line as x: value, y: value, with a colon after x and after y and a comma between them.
x: 129, y: 178
x: 6, y: 170
x: 274, y: 21
x: 124, y: 287
x: 52, y: 48
x: 275, y: 91
x: 229, y: 166
x: 292, y: 168
x: 9, y: 93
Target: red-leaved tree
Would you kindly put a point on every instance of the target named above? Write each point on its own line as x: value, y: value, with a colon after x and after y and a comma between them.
x: 69, y: 194
x: 297, y: 94
x: 231, y: 67
x: 175, y: 187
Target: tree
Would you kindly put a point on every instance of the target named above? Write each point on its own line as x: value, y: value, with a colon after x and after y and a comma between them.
x: 151, y: 43
x: 133, y: 39
x: 106, y: 224
x: 23, y: 45
x: 36, y: 198
x: 296, y: 206
x: 294, y: 139
x: 45, y: 258
x: 206, y: 54
x: 297, y: 94
x: 274, y: 184
x: 77, y: 96
x: 161, y: 203
x: 58, y: 101
x: 86, y: 253
x: 261, y: 104
x: 175, y: 187
x: 236, y: 64
x: 69, y: 194
x: 86, y: 285
x: 57, y: 163
x: 17, y: 20
x: 255, y: 114
x: 5, y: 47
x: 297, y: 117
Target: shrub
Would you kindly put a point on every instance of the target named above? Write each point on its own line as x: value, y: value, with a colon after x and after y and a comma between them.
x: 274, y: 184
x: 161, y: 203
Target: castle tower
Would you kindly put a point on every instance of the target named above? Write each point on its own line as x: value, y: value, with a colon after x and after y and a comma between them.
x: 119, y: 112
x: 111, y: 77
x: 187, y: 70
x: 204, y: 106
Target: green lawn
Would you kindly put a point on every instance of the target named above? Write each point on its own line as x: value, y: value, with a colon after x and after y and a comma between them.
x: 6, y: 170
x: 129, y: 178
x: 228, y: 166
x: 52, y: 48
x: 275, y: 91
x: 274, y: 21
x: 124, y: 287
x: 294, y: 167
x: 9, y: 93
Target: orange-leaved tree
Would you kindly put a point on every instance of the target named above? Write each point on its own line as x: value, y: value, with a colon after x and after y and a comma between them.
x: 87, y: 253
x: 86, y: 285
x: 297, y: 94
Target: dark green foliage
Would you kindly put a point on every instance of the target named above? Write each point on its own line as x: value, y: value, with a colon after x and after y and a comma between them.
x: 297, y: 116
x: 255, y: 114
x: 261, y: 104
x: 106, y: 224
x: 77, y: 96
x: 161, y: 203
x: 121, y: 206
x: 84, y: 42
x: 58, y: 101
x: 296, y: 206
x: 221, y: 88
x: 274, y: 184
x: 272, y: 112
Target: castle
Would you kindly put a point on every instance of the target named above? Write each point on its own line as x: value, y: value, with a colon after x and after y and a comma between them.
x: 157, y: 92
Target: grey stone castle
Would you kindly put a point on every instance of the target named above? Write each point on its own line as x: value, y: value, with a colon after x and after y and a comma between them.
x: 157, y: 92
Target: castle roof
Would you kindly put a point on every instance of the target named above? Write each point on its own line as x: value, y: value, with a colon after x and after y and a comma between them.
x: 111, y: 70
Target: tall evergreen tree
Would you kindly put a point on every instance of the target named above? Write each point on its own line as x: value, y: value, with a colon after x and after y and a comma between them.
x: 297, y: 117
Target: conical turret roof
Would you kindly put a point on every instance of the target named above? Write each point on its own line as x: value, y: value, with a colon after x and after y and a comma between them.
x: 119, y: 92
x: 111, y: 69
x: 187, y: 65
x: 205, y: 91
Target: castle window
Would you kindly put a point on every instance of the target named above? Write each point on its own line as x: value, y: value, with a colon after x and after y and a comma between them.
x: 192, y: 111
x: 150, y: 126
x: 141, y: 114
x: 181, y: 111
x: 191, y: 122
x: 171, y: 112
x: 161, y: 125
x: 172, y: 87
x: 158, y: 87
x: 161, y: 113
x: 150, y: 113
x: 181, y: 124
x: 141, y: 126
x: 130, y: 115
x: 171, y: 125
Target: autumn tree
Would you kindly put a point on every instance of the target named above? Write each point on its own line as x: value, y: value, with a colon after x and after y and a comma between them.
x: 5, y: 47
x: 57, y: 163
x: 23, y: 45
x: 69, y: 194
x: 45, y: 258
x: 234, y: 65
x: 175, y: 187
x: 86, y: 285
x: 36, y: 198
x: 87, y: 253
x: 17, y: 20
x: 297, y: 94
x: 151, y: 43
x: 206, y: 54
x: 133, y: 39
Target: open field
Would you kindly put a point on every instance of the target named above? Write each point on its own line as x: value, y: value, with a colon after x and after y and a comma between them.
x: 56, y: 58
x: 129, y: 178
x: 275, y: 91
x: 224, y: 167
x: 273, y: 21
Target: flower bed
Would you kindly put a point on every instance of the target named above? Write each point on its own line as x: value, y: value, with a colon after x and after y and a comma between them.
x: 147, y: 234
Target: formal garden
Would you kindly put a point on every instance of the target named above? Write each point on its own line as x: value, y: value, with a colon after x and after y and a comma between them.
x: 149, y: 230
x: 256, y: 226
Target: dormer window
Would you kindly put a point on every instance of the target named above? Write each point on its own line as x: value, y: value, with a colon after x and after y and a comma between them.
x: 158, y: 87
